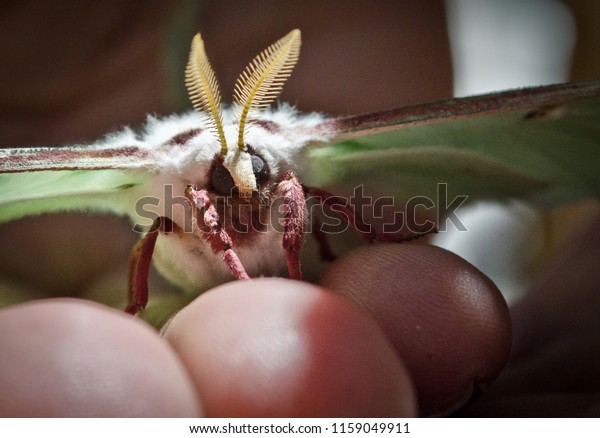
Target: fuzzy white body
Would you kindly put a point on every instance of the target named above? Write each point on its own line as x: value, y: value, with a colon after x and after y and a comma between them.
x: 185, y: 258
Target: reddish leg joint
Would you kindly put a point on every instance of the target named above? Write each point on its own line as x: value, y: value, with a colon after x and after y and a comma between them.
x: 340, y: 206
x: 139, y: 265
x: 294, y: 220
x: 210, y: 229
x: 325, y: 252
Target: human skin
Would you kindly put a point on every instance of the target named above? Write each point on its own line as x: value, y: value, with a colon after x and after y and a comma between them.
x: 553, y: 370
x: 87, y: 85
x: 268, y: 347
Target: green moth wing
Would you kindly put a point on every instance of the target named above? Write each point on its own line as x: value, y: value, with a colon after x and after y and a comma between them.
x: 541, y: 144
x: 84, y: 178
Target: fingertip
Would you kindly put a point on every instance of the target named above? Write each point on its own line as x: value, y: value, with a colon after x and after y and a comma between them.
x: 275, y: 347
x: 71, y: 358
x: 448, y: 321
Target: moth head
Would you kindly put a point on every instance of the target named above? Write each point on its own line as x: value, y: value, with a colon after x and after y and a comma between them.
x: 255, y: 90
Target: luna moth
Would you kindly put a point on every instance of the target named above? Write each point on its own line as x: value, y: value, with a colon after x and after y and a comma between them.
x: 224, y: 192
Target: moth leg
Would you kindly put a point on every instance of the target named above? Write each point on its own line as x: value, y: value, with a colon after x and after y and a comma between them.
x: 340, y: 206
x: 211, y: 231
x: 139, y: 265
x: 325, y: 252
x: 294, y: 219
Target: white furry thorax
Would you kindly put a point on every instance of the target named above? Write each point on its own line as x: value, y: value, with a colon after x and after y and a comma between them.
x: 184, y: 147
x: 278, y: 135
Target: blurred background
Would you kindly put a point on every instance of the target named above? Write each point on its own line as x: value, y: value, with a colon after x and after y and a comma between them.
x: 73, y: 71
x: 509, y: 44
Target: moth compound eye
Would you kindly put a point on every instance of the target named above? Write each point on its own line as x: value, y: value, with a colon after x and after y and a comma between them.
x: 260, y: 169
x: 221, y: 181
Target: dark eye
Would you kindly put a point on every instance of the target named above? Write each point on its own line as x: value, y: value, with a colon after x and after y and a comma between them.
x: 260, y: 169
x: 221, y: 180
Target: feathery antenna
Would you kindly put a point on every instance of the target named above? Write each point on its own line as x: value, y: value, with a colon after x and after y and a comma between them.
x: 260, y: 84
x: 203, y: 89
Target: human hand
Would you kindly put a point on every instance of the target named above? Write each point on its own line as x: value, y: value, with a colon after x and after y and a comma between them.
x: 554, y: 368
x: 108, y: 62
x: 79, y: 358
x: 270, y: 347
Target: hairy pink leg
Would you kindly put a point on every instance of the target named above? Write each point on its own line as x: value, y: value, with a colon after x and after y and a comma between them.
x: 212, y: 232
x: 294, y: 219
x: 340, y: 206
x: 139, y: 265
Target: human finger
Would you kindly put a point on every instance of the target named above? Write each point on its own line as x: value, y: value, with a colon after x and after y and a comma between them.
x: 74, y: 358
x: 275, y: 347
x: 447, y: 321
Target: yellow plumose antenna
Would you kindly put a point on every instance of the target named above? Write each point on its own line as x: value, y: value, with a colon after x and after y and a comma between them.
x: 255, y: 89
x: 204, y: 90
x: 260, y: 84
